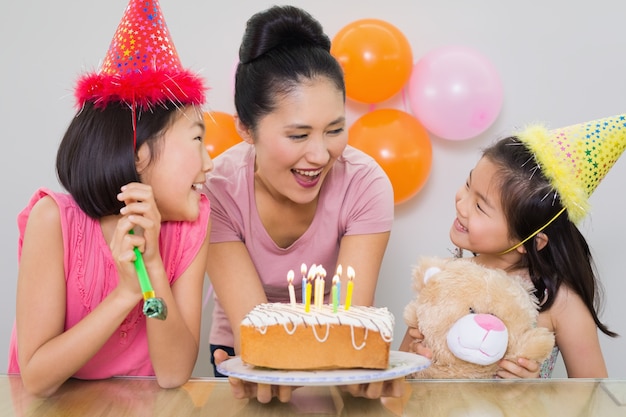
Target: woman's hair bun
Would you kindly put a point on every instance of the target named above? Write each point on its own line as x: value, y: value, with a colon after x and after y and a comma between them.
x: 281, y: 26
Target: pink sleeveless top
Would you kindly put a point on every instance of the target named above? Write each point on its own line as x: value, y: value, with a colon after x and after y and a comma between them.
x: 91, y: 275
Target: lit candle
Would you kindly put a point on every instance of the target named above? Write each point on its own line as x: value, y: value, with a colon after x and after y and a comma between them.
x: 315, y: 283
x: 303, y: 272
x: 321, y: 273
x: 316, y: 291
x: 292, y: 293
x: 335, y: 293
x: 350, y: 287
x: 339, y: 271
x: 307, y: 304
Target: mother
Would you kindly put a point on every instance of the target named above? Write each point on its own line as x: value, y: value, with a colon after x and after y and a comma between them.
x: 293, y: 191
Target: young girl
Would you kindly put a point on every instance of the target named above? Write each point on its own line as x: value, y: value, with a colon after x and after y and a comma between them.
x: 292, y: 192
x: 132, y: 159
x: 518, y: 212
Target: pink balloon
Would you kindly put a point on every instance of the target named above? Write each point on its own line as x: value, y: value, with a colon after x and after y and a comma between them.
x: 455, y: 92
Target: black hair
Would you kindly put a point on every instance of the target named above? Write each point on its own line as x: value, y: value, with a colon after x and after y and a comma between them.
x: 282, y: 47
x: 529, y: 202
x: 96, y: 155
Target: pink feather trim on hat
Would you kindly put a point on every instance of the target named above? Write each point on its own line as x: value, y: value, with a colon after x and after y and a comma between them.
x: 144, y: 89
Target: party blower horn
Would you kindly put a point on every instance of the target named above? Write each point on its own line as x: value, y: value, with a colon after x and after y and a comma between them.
x: 153, y: 307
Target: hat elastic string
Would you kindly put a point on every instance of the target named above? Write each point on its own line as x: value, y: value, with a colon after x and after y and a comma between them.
x: 133, y: 111
x: 535, y: 233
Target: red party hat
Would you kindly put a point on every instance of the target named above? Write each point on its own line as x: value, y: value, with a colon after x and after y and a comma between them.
x: 142, y: 67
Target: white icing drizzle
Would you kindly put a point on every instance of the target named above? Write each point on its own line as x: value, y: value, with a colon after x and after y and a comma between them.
x: 354, y: 342
x: 321, y: 340
x: 294, y: 326
x: 379, y: 320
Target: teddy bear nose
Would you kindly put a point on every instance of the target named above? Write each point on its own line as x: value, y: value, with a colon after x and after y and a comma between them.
x: 478, y: 338
x: 489, y: 322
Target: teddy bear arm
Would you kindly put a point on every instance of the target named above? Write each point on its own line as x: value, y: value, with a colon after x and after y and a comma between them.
x: 410, y: 314
x: 535, y: 344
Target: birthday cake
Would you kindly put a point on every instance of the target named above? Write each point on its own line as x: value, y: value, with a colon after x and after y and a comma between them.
x: 286, y: 336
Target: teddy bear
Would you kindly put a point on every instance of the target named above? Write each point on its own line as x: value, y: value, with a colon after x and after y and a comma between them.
x: 472, y: 316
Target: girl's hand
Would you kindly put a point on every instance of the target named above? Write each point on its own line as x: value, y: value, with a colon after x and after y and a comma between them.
x: 141, y: 210
x: 521, y: 368
x: 142, y: 216
x: 122, y: 250
x: 416, y: 345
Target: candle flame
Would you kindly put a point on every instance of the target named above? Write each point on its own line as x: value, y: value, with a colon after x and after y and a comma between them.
x: 335, y: 279
x: 290, y: 276
x: 350, y: 273
x: 321, y: 271
x: 303, y: 269
x: 339, y: 270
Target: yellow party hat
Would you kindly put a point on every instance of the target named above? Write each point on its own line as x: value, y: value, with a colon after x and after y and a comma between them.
x: 576, y: 158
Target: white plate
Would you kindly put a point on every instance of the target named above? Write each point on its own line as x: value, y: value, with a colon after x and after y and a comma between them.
x: 400, y: 364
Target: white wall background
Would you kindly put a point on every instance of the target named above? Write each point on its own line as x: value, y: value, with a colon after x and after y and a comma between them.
x: 560, y: 61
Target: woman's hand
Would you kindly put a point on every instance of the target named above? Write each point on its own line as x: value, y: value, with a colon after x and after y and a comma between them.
x: 521, y: 368
x: 374, y: 390
x: 262, y: 392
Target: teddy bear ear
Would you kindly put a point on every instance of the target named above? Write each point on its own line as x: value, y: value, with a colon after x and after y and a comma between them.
x: 430, y: 272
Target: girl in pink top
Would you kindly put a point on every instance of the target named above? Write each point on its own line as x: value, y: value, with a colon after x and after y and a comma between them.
x: 293, y: 192
x: 132, y: 159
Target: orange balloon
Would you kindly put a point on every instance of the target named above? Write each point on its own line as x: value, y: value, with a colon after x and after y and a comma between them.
x: 376, y: 59
x: 400, y: 145
x: 220, y: 133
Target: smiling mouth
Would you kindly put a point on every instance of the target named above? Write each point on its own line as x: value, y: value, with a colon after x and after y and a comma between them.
x: 308, y: 173
x: 307, y: 178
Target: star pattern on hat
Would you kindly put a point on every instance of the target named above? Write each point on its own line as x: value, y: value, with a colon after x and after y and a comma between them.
x: 141, y: 42
x: 141, y: 67
x: 576, y: 158
x: 603, y: 145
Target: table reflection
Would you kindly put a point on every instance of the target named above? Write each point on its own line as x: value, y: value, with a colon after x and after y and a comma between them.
x: 139, y: 397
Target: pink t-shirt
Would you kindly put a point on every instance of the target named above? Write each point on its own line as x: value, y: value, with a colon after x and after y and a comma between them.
x: 356, y: 198
x: 91, y: 275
